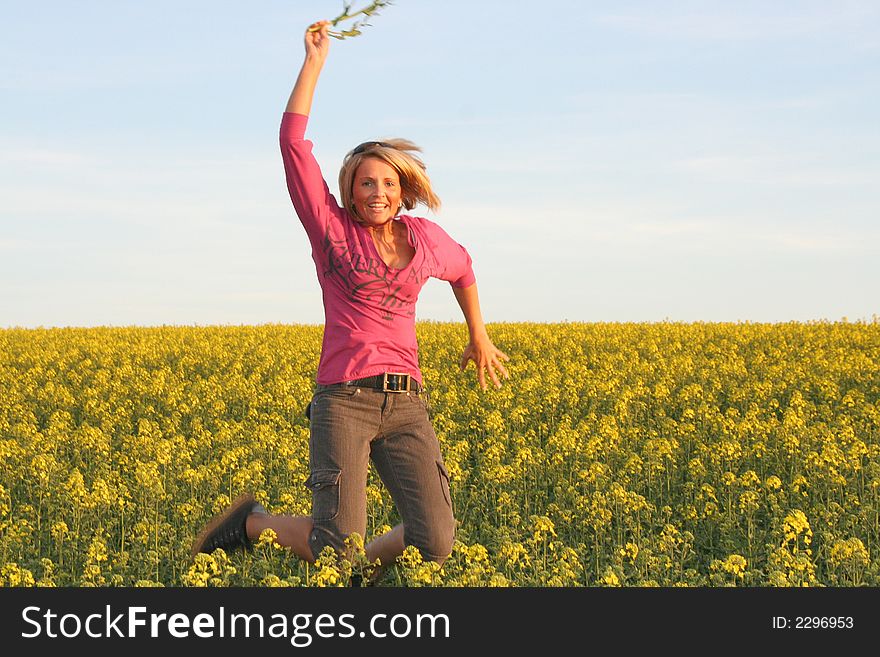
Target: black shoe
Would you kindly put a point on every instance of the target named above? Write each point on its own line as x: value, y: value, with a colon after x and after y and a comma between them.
x: 227, y: 530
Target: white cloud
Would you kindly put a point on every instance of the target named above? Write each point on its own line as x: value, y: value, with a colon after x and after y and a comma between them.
x: 18, y: 245
x: 816, y: 241
x: 744, y: 21
x: 43, y: 157
x: 774, y: 169
x: 151, y: 191
x: 673, y: 228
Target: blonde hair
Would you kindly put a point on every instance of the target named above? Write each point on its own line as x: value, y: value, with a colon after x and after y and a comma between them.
x: 399, y: 154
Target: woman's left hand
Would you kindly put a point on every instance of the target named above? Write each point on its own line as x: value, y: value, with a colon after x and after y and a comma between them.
x: 486, y: 356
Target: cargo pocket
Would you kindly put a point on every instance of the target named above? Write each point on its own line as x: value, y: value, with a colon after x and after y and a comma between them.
x: 324, y: 485
x: 444, y: 482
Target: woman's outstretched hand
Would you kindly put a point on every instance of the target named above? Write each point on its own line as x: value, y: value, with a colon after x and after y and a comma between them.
x: 486, y: 356
x: 318, y: 41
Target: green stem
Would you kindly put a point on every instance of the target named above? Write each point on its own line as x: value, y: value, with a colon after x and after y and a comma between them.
x: 369, y: 10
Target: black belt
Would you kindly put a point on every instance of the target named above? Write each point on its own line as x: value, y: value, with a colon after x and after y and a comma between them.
x: 389, y: 382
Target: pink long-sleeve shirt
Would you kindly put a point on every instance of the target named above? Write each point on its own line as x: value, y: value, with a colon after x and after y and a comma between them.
x: 369, y: 307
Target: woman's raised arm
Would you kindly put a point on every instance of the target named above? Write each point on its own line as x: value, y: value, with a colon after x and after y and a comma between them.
x: 311, y: 197
x: 317, y: 43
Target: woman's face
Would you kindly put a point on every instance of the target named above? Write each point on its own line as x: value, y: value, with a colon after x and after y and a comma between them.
x: 376, y: 191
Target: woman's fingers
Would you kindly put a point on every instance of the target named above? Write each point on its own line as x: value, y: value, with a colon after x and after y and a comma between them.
x: 316, y: 36
x: 465, y: 357
x: 496, y: 362
x: 486, y: 363
x: 318, y: 25
x: 494, y: 376
x: 490, y: 367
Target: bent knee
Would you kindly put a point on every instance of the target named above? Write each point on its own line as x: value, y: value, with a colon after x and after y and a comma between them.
x: 437, y: 545
x: 323, y: 536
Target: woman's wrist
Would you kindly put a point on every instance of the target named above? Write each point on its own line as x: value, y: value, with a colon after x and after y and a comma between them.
x: 313, y: 61
x: 478, y: 332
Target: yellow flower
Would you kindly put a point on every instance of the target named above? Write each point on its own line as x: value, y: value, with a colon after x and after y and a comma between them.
x: 59, y: 530
x: 11, y: 574
x: 631, y: 551
x: 851, y: 552
x: 542, y: 528
x: 735, y: 564
x: 328, y: 576
x: 773, y: 483
x: 795, y: 526
x: 610, y: 578
x: 268, y: 539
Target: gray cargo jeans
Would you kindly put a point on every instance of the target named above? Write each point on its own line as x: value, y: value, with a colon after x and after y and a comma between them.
x: 351, y: 424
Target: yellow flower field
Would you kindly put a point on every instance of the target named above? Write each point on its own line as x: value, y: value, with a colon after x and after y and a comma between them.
x: 616, y: 455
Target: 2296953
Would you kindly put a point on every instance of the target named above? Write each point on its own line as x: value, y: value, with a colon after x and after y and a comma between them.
x: 823, y: 622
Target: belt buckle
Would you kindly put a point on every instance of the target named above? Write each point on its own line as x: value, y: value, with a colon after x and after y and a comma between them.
x: 394, y: 385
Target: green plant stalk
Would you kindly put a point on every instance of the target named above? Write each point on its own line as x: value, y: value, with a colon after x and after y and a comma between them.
x: 354, y: 30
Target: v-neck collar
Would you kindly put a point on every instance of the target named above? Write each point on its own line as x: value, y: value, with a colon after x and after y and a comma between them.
x: 410, y: 238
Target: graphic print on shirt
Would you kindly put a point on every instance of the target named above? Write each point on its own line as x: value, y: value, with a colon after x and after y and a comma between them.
x: 372, y: 280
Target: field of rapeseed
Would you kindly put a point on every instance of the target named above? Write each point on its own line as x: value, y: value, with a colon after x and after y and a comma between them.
x: 616, y: 455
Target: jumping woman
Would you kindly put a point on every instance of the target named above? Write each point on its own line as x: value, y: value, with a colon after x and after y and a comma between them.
x: 369, y: 401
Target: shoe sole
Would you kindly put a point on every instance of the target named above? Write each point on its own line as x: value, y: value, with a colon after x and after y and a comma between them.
x: 218, y: 520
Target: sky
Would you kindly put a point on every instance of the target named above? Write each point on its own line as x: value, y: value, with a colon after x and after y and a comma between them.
x: 600, y: 161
